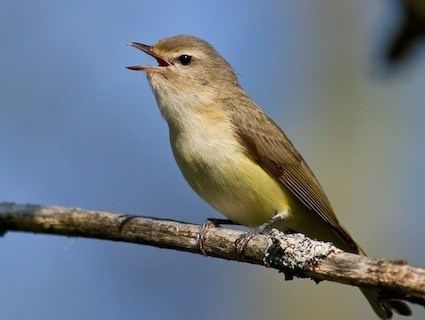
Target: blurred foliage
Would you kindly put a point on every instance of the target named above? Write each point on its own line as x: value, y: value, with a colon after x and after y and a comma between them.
x: 409, y: 32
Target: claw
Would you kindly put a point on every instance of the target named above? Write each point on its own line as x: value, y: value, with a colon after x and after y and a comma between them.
x: 242, y: 241
x: 200, y: 239
x: 203, y: 229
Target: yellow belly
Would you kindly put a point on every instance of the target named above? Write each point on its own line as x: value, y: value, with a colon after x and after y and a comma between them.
x: 246, y: 194
x: 239, y: 188
x: 225, y: 177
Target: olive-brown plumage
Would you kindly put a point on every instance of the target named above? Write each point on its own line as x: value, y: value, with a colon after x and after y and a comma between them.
x: 233, y: 155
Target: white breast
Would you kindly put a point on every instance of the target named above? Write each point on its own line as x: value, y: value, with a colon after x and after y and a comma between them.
x: 197, y: 127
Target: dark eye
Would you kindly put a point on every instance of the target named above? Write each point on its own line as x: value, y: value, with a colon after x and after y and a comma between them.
x: 185, y: 59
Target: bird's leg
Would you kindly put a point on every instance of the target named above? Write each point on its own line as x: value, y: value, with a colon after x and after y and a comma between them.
x: 210, y: 223
x: 242, y: 241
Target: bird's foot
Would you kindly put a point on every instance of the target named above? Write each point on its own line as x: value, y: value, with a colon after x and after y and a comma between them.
x: 126, y: 218
x: 242, y: 241
x: 203, y: 230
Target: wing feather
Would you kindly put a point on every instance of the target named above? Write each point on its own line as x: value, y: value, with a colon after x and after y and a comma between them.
x: 273, y: 151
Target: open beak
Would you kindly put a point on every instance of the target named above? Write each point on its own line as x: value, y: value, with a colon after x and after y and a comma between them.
x: 148, y: 49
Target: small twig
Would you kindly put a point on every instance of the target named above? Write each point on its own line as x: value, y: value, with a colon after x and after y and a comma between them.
x: 293, y: 254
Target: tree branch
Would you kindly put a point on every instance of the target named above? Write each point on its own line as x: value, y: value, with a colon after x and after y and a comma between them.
x: 292, y: 254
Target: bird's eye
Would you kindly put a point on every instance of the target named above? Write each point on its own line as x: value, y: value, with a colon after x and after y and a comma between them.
x: 185, y: 59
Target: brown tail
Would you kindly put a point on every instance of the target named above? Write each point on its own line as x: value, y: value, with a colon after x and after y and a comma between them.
x: 384, y: 308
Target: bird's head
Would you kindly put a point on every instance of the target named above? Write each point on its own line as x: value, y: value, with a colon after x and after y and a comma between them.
x: 186, y: 64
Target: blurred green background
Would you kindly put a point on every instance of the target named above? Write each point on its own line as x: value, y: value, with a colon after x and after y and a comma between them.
x: 77, y: 129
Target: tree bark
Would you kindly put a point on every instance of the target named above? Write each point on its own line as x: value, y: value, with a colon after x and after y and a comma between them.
x: 293, y: 254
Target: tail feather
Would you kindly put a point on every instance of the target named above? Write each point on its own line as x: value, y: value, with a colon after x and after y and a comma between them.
x: 399, y: 307
x: 384, y: 308
x: 380, y: 308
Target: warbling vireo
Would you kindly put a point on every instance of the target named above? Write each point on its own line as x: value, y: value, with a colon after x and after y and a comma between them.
x: 233, y: 155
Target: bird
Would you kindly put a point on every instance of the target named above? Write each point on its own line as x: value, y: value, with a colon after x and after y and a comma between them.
x: 234, y: 156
